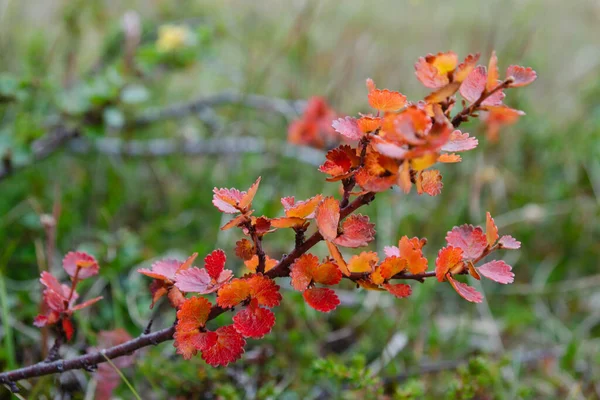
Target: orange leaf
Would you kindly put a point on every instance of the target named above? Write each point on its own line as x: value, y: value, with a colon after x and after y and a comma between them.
x: 244, y: 249
x: 430, y: 182
x: 338, y: 258
x: 411, y: 251
x: 302, y: 209
x: 302, y: 271
x: 392, y: 266
x: 491, y: 230
x: 233, y: 293
x: 404, y: 181
x: 327, y: 273
x: 364, y: 262
x: 328, y: 218
x: 493, y: 74
x: 449, y: 158
x: 247, y: 198
x: 287, y: 222
x: 368, y: 124
x: 447, y: 260
x: 193, y: 314
x: 433, y: 70
x: 264, y: 290
x: 464, y: 69
x: 386, y: 100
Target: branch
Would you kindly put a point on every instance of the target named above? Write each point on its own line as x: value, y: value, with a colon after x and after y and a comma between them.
x: 60, y: 135
x: 88, y: 361
x: 281, y: 106
x: 40, y: 149
x: 154, y: 148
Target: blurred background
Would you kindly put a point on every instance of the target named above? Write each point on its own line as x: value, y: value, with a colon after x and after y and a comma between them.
x: 117, y: 119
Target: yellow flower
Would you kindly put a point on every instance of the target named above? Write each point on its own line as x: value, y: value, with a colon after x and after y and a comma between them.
x: 173, y: 37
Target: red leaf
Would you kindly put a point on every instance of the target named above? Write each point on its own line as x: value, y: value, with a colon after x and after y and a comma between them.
x: 55, y: 295
x: 399, y: 290
x: 67, y: 326
x: 522, y: 76
x: 339, y: 162
x: 347, y: 127
x: 356, y: 232
x: 321, y: 299
x: 470, y: 239
x: 328, y: 218
x: 214, y: 263
x: 188, y: 343
x: 509, y: 242
x: 254, y: 321
x: 491, y: 230
x: 301, y: 271
x: 465, y: 291
x: 498, y: 271
x: 88, y: 266
x: 448, y: 259
x: 228, y: 347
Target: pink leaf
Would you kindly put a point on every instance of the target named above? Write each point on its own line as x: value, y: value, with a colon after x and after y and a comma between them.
x: 498, y: 271
x: 522, y: 76
x: 471, y: 240
x: 509, y: 242
x: 465, y: 291
x: 347, y: 127
x: 460, y: 142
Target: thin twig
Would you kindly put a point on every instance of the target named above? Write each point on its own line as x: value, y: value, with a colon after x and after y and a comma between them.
x: 467, y: 111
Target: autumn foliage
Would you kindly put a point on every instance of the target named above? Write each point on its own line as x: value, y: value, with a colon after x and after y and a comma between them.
x: 394, y: 145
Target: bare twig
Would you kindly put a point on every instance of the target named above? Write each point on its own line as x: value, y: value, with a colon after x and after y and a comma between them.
x: 286, y: 107
x: 41, y: 149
